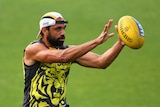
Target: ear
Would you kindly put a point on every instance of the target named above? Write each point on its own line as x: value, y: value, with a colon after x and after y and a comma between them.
x: 44, y: 31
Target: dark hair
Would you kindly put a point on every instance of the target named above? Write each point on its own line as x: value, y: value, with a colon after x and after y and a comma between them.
x: 46, y: 28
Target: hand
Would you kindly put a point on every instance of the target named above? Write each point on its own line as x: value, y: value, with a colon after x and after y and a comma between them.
x: 104, y: 35
x: 119, y: 39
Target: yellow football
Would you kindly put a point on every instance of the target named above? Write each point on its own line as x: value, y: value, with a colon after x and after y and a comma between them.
x: 131, y: 32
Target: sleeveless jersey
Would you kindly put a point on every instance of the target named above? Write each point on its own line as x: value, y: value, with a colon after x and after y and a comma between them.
x: 45, y: 84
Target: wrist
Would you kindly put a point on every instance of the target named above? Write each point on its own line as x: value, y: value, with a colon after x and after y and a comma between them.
x: 97, y: 41
x: 120, y: 42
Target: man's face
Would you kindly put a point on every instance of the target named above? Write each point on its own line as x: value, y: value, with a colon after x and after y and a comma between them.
x: 56, y: 34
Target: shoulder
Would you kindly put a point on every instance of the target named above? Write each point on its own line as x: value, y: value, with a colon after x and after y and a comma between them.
x: 34, y: 47
x: 31, y: 51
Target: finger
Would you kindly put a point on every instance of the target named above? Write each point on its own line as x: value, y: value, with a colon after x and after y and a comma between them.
x: 111, y: 34
x: 108, y: 25
x: 116, y: 28
x: 108, y: 36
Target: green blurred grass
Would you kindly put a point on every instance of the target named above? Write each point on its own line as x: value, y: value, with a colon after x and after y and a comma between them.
x: 131, y: 81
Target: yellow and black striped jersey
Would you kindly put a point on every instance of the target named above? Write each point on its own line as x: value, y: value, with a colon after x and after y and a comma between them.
x: 45, y: 84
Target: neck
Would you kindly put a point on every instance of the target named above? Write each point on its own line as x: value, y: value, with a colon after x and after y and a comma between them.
x: 47, y: 44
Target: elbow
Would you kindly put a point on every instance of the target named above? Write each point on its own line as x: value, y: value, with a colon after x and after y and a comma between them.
x: 102, y: 65
x: 66, y: 59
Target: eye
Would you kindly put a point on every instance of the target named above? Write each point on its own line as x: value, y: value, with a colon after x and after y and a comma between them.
x: 58, y: 28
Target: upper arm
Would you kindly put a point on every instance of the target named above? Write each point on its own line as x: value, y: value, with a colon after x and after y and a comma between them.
x: 38, y: 52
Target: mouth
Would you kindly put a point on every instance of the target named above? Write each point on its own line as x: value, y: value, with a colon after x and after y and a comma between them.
x: 61, y: 38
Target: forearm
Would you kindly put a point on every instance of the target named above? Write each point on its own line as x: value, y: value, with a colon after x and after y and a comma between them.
x: 72, y: 53
x: 80, y: 50
x: 110, y: 55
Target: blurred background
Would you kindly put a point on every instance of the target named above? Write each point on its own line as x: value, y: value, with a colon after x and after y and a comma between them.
x: 131, y: 81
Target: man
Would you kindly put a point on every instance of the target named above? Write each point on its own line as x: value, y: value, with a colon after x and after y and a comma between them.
x: 47, y: 61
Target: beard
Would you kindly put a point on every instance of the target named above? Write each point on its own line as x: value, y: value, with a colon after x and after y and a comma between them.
x: 55, y: 41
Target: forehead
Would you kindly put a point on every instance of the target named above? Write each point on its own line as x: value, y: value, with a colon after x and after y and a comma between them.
x: 59, y: 26
x: 60, y: 22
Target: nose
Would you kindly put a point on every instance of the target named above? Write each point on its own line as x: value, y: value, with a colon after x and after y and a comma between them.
x: 62, y: 32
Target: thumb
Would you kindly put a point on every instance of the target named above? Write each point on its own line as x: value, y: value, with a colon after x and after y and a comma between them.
x: 111, y: 34
x: 116, y: 27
